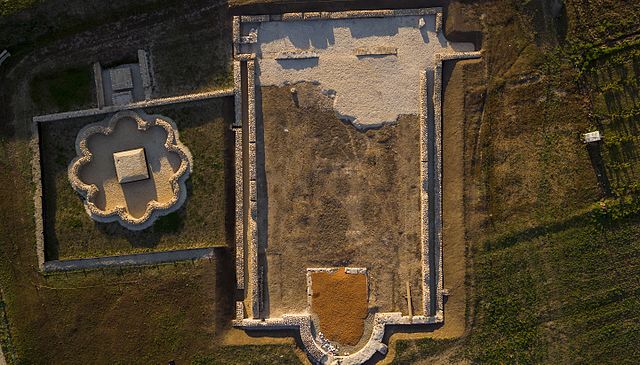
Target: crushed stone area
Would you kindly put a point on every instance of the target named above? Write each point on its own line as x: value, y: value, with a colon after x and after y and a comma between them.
x: 370, y: 89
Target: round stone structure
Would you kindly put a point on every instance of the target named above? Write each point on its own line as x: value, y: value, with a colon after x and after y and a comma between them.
x: 131, y: 168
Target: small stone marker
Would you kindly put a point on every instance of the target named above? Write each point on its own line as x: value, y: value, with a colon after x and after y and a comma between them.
x: 121, y: 78
x: 297, y: 54
x: 4, y: 55
x: 409, y: 304
x: 131, y: 165
x: 122, y: 98
x: 376, y: 51
x: 591, y: 137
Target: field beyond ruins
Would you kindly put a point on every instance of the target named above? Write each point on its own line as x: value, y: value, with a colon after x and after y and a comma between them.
x: 543, y: 264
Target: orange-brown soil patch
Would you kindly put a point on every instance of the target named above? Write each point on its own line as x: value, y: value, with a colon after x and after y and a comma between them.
x: 340, y: 300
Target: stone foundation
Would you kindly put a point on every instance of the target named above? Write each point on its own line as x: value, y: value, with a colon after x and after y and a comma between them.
x: 430, y: 117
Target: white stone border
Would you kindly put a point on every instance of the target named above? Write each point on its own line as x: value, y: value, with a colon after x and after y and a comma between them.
x: 325, y: 15
x: 303, y: 322
x: 154, y: 209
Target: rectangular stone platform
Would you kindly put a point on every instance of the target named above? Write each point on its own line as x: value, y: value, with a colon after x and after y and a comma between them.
x: 131, y: 165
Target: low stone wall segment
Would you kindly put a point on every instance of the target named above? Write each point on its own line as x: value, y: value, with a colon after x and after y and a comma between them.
x: 239, y: 213
x: 97, y: 78
x: 137, y: 105
x: 150, y: 258
x: 36, y: 173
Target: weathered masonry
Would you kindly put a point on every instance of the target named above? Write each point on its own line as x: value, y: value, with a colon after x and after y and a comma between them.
x: 396, y: 55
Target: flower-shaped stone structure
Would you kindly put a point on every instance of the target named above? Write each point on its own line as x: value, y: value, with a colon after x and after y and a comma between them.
x: 131, y: 168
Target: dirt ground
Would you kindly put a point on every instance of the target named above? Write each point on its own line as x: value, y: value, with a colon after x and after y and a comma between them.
x: 340, y: 302
x: 338, y: 196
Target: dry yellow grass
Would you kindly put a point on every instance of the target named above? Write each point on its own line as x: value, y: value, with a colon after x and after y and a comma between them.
x: 340, y: 301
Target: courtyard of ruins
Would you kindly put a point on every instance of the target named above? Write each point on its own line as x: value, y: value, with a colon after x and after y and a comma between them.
x: 338, y: 170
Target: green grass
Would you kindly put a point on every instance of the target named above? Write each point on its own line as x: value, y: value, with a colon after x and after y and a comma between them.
x: 71, y: 233
x: 146, y: 315
x: 64, y: 90
x: 253, y: 355
x: 553, y: 280
x: 409, y: 352
x: 195, y: 57
x: 6, y: 345
x: 567, y: 294
x: 8, y: 7
x: 169, y: 223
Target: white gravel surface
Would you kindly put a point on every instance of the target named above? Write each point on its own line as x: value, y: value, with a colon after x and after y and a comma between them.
x: 368, y: 90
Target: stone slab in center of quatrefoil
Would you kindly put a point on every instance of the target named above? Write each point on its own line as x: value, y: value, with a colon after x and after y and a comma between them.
x: 131, y: 165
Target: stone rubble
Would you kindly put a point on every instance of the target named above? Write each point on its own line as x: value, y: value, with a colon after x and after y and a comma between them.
x: 318, y: 348
x: 145, y: 73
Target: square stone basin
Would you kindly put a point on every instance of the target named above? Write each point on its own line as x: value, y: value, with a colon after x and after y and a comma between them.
x: 131, y: 165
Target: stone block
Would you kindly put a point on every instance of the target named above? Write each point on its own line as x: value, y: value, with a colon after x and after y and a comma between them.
x: 121, y: 78
x: 131, y: 165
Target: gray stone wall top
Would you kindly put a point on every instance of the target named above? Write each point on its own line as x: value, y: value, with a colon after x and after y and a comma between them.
x: 136, y: 105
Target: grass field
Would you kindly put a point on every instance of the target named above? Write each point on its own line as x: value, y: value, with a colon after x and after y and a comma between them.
x: 138, y: 316
x: 195, y: 57
x: 9, y: 7
x: 71, y: 233
x: 552, y: 280
x: 64, y: 90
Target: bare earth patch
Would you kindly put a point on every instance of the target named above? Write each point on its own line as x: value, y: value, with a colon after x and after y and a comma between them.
x: 339, y: 196
x: 340, y: 302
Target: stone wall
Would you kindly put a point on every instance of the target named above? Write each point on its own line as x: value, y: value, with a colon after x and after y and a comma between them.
x: 97, y: 77
x: 424, y: 192
x: 136, y: 105
x: 145, y: 73
x: 252, y: 226
x: 36, y: 172
x: 430, y: 110
x: 239, y: 214
x: 353, y: 14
